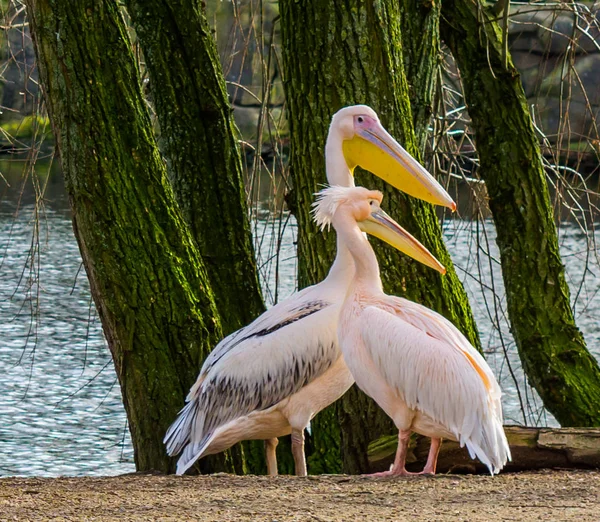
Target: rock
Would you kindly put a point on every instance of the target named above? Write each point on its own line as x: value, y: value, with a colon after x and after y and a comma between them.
x: 554, y: 116
x: 525, y: 42
x: 533, y: 76
x: 587, y: 36
x: 246, y: 119
x: 526, y: 18
x: 551, y: 30
x: 588, y: 70
x: 579, y: 81
x: 525, y: 60
x: 555, y: 35
x: 523, y: 28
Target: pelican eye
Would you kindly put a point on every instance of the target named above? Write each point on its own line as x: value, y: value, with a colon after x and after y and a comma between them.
x: 360, y: 119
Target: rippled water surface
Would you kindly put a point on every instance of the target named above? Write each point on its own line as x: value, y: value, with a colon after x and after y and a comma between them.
x: 60, y: 406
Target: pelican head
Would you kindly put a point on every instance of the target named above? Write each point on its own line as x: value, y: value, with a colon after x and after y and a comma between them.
x: 363, y: 206
x: 365, y: 143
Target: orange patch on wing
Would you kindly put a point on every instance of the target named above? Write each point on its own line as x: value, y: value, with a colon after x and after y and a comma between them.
x: 484, y: 377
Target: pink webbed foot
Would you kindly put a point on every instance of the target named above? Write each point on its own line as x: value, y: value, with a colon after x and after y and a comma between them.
x: 398, y: 467
x: 392, y: 473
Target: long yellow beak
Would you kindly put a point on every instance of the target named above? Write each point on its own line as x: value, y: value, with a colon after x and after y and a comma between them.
x: 375, y: 150
x: 380, y: 225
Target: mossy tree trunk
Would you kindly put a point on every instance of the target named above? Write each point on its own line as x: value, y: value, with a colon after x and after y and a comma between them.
x: 146, y: 276
x: 203, y: 159
x: 420, y: 30
x: 199, y: 137
x: 552, y: 349
x: 358, y: 46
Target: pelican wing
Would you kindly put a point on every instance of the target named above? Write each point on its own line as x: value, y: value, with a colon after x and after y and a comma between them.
x: 293, y: 309
x: 436, y: 371
x: 255, y: 368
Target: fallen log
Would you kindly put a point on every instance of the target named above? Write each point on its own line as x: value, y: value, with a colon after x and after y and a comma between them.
x: 531, y: 448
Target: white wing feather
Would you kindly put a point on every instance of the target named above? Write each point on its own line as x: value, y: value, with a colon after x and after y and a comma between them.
x: 437, y: 371
x: 265, y: 321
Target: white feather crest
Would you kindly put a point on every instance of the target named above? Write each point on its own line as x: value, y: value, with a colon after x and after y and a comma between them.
x: 326, y: 204
x: 329, y: 200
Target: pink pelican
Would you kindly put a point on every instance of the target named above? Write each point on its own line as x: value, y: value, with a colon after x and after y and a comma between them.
x: 271, y: 377
x: 412, y: 361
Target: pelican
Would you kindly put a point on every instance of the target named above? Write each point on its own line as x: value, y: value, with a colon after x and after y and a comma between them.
x: 412, y: 361
x: 271, y: 377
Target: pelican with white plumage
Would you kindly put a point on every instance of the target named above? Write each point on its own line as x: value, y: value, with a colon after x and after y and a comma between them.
x: 412, y: 361
x: 271, y: 377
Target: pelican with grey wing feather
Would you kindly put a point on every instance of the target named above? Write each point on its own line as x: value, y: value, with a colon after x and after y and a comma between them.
x: 271, y: 377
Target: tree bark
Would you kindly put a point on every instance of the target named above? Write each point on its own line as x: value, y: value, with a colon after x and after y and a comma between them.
x: 419, y: 23
x: 359, y: 61
x: 146, y: 276
x: 551, y: 348
x: 198, y: 135
x: 203, y: 159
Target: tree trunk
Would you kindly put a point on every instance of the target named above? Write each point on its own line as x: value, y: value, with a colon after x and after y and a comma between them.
x: 551, y: 348
x: 204, y: 161
x: 146, y: 277
x: 359, y: 61
x: 419, y: 23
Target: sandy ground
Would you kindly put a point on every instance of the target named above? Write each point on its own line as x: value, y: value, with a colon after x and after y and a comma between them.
x: 539, y: 496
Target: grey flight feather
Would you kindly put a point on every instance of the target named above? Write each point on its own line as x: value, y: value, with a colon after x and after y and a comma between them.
x: 230, y: 398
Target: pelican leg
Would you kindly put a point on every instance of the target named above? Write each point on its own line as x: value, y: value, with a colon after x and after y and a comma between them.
x: 298, y: 452
x: 270, y: 447
x: 398, y: 468
x: 434, y: 450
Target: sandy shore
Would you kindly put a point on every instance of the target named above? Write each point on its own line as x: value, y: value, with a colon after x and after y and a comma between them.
x: 539, y: 496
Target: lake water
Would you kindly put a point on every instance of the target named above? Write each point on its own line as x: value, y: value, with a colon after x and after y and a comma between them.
x: 60, y: 407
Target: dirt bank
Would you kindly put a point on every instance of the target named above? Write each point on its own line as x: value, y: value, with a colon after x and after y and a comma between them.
x: 545, y: 495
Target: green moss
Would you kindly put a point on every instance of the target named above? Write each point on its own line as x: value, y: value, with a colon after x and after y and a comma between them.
x: 204, y: 160
x: 326, y: 457
x: 420, y: 23
x: 28, y: 128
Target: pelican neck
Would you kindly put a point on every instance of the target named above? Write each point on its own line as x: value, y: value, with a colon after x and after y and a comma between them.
x: 338, y: 172
x: 354, y: 242
x: 342, y: 269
